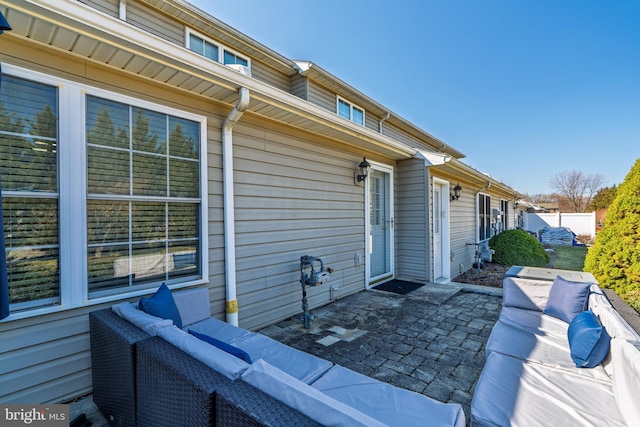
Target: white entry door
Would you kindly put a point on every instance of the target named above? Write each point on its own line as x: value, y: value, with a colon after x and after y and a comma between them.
x: 437, y: 231
x: 380, y: 213
x: 441, y: 231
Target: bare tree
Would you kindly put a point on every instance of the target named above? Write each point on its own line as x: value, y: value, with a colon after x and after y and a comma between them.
x: 577, y: 187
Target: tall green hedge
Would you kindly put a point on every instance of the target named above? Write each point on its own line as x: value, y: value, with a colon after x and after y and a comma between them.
x: 614, y: 258
x: 517, y: 247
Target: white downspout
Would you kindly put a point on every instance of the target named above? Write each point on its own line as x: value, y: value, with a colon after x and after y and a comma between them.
x: 382, y: 120
x: 231, y: 306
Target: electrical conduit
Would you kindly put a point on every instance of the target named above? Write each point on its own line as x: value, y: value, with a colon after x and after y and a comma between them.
x: 229, y: 208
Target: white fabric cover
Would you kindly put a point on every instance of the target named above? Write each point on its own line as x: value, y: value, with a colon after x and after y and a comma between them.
x: 300, y: 365
x: 626, y: 378
x: 386, y: 403
x: 145, y: 321
x: 549, y: 349
x: 534, y: 322
x: 193, y: 305
x: 529, y: 294
x: 220, y: 361
x: 306, y: 399
x: 514, y: 393
x: 613, y: 322
x: 220, y: 330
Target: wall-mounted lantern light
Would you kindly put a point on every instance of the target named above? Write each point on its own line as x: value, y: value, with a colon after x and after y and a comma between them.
x: 456, y: 192
x: 361, y: 175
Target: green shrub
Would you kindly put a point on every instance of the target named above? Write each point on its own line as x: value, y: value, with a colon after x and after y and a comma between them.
x: 614, y: 259
x: 517, y: 247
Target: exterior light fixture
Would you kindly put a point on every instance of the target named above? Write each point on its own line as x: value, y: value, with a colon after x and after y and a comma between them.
x: 364, y: 167
x: 456, y: 192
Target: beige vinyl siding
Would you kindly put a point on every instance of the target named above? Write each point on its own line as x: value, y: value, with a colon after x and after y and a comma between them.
x: 463, y: 230
x: 155, y: 22
x: 321, y: 96
x: 110, y: 7
x: 299, y: 84
x: 266, y: 74
x: 45, y: 359
x: 412, y: 221
x: 294, y: 196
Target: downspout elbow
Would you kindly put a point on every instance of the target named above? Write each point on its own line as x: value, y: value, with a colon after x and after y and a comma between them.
x: 382, y: 120
x: 231, y: 306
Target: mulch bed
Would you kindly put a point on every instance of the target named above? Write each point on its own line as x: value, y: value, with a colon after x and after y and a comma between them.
x: 491, y: 275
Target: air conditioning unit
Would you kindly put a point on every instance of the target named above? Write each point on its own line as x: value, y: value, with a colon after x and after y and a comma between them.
x: 242, y: 69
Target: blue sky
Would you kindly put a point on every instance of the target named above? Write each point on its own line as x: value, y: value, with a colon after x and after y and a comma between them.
x: 524, y: 88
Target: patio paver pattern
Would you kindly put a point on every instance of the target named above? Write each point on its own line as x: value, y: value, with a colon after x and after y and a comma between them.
x: 431, y: 340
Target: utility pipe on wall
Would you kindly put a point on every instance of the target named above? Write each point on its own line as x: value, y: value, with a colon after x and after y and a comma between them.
x: 231, y: 306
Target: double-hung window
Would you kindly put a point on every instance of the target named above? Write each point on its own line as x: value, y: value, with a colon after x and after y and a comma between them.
x: 484, y: 217
x: 350, y: 111
x: 102, y: 193
x: 213, y: 50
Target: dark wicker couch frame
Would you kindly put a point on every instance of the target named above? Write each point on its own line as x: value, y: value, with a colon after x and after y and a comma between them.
x: 141, y: 380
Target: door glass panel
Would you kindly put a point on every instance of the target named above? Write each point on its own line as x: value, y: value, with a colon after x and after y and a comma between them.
x: 380, y: 223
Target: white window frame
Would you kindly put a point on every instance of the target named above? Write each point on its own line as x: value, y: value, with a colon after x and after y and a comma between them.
x: 489, y: 217
x: 221, y: 48
x: 72, y: 191
x: 340, y: 99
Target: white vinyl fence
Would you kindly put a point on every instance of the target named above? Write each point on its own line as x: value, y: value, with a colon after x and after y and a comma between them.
x: 579, y: 223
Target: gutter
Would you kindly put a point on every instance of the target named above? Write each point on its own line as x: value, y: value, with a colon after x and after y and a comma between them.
x: 231, y: 305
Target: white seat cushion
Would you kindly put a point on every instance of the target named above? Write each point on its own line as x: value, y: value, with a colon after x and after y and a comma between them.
x: 511, y: 392
x: 220, y: 330
x: 548, y: 349
x: 220, y: 361
x: 300, y: 365
x: 386, y: 403
x: 304, y: 398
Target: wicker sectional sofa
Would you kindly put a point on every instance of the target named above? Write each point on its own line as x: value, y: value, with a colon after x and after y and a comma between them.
x: 553, y: 360
x: 148, y: 371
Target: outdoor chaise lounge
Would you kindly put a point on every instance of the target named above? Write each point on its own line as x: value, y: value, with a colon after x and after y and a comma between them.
x: 559, y: 355
x: 196, y: 370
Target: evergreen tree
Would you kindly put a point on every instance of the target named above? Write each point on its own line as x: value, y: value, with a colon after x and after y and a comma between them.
x: 614, y: 259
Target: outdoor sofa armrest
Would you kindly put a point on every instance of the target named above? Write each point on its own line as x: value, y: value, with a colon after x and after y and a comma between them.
x: 113, y: 364
x: 240, y: 404
x: 173, y: 388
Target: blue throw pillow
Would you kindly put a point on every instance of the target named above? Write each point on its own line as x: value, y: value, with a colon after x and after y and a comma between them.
x: 588, y: 340
x: 237, y: 352
x: 567, y: 299
x: 161, y: 304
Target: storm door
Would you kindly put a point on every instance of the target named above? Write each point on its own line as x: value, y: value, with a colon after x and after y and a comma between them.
x: 380, y: 245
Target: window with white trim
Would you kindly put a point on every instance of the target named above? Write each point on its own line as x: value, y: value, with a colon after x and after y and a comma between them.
x: 484, y: 217
x: 504, y: 212
x: 214, y: 50
x: 350, y: 111
x: 91, y: 175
